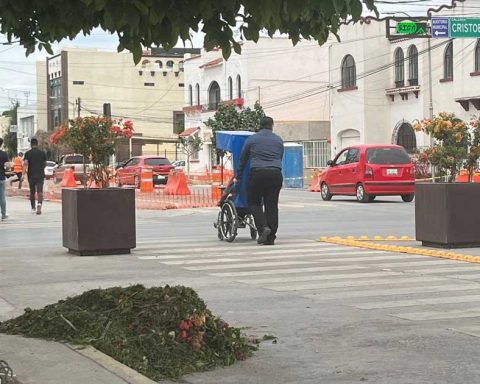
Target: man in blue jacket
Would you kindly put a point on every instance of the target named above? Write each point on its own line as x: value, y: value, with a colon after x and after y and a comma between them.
x: 265, y: 152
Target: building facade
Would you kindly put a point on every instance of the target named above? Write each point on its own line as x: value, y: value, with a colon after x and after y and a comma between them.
x: 27, y: 126
x: 381, y: 86
x: 81, y: 81
x: 286, y: 80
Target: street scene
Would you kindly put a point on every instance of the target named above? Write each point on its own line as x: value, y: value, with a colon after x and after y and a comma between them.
x: 252, y: 192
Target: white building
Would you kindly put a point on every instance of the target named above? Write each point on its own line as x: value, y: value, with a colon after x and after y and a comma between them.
x: 380, y: 86
x: 288, y: 81
x: 26, y: 126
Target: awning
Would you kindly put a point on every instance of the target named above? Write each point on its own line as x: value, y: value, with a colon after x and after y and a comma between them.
x: 465, y: 102
x: 189, y: 132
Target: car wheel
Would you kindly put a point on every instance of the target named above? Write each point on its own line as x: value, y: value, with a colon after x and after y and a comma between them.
x: 408, y: 198
x: 362, y: 196
x: 136, y: 181
x: 371, y: 198
x: 325, y: 192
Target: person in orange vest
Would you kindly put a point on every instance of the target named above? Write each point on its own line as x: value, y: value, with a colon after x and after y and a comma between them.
x: 18, y: 170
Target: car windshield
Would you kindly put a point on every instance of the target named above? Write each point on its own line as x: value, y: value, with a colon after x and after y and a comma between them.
x: 157, y: 161
x: 387, y: 156
x: 75, y: 159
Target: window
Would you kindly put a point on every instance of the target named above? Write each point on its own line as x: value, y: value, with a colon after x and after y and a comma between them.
x: 349, y: 75
x: 341, y: 159
x: 448, y: 62
x: 213, y: 95
x: 197, y: 91
x: 155, y: 161
x: 78, y: 82
x: 132, y: 162
x: 181, y: 65
x: 477, y: 56
x: 412, y: 65
x: 190, y: 95
x: 159, y: 64
x: 399, y: 68
x: 181, y: 85
x: 239, y: 86
x: 230, y: 88
x: 145, y: 63
x: 316, y: 153
x: 353, y: 156
x: 406, y: 137
x: 386, y: 155
x: 149, y: 84
x: 74, y: 159
x: 169, y: 64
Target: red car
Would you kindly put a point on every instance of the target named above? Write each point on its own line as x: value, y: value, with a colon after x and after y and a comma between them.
x: 130, y: 172
x: 367, y: 171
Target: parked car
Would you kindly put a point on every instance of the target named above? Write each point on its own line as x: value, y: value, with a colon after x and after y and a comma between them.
x: 49, y: 169
x: 367, y: 171
x: 130, y: 172
x: 179, y: 164
x: 69, y: 161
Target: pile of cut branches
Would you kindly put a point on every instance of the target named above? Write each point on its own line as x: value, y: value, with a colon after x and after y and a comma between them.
x: 161, y: 332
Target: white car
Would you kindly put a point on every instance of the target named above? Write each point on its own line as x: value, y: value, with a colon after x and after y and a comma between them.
x: 179, y: 164
x: 49, y: 169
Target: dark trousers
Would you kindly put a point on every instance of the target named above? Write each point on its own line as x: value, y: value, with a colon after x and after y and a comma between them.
x: 264, y: 187
x: 36, y: 185
x: 19, y: 179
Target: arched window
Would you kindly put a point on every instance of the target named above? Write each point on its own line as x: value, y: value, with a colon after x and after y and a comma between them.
x: 197, y: 91
x: 230, y: 88
x: 190, y: 95
x: 159, y: 64
x: 213, y: 95
x: 406, y: 137
x: 145, y: 63
x: 412, y: 65
x: 448, y: 62
x: 239, y: 86
x: 477, y: 56
x: 349, y: 72
x: 399, y: 68
x: 169, y: 64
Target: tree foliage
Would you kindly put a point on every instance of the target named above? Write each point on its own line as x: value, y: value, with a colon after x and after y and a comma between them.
x: 189, y: 146
x: 230, y: 118
x: 147, y: 23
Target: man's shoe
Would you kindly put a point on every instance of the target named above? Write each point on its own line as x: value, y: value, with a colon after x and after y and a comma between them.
x: 34, y: 210
x: 4, y: 217
x: 269, y: 242
x: 264, y: 235
x: 39, y: 209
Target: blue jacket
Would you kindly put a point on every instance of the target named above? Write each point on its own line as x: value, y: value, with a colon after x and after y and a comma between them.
x: 264, y: 150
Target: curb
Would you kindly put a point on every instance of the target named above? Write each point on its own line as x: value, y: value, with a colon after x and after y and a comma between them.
x: 127, y: 374
x: 399, y: 249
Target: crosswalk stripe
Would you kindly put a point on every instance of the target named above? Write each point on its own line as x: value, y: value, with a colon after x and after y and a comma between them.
x: 193, y: 240
x: 357, y: 283
x: 471, y: 330
x: 465, y: 268
x: 427, y: 262
x: 289, y: 271
x: 470, y: 276
x: 437, y: 315
x: 249, y: 265
x: 393, y: 291
x: 254, y: 255
x: 323, y: 277
x: 415, y: 302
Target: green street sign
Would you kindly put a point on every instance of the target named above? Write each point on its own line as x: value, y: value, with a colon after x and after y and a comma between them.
x: 464, y: 27
x: 411, y: 28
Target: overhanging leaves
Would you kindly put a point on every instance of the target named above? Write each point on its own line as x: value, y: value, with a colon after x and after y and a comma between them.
x: 150, y: 23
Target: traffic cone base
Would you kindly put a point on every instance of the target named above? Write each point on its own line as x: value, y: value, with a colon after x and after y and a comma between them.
x: 68, y: 180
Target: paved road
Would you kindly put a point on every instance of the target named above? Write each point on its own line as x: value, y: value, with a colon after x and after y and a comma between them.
x: 342, y: 315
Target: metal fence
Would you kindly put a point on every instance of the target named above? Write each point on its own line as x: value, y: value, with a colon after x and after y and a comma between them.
x: 316, y: 153
x: 158, y: 199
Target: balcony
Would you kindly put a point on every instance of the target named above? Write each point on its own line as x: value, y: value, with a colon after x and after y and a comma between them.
x: 192, y: 109
x: 403, y: 91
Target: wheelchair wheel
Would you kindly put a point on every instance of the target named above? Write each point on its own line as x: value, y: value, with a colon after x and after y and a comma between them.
x: 228, y: 221
x: 253, y: 230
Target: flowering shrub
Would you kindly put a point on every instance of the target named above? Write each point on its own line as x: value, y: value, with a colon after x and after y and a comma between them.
x: 452, y: 138
x: 95, y: 138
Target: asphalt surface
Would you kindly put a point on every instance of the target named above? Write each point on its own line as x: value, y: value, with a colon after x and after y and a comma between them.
x: 341, y: 314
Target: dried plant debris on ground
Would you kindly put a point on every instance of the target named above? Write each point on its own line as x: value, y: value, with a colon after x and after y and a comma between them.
x: 161, y: 332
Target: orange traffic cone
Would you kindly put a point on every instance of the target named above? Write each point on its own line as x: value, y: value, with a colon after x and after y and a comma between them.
x: 146, y: 180
x: 315, y: 184
x: 92, y: 184
x: 68, y: 180
x: 177, y: 184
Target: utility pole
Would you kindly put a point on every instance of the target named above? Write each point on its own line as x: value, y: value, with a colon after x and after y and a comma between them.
x: 430, y: 96
x: 79, y: 106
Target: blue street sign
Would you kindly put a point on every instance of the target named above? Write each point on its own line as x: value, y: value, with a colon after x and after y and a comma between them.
x: 440, y: 27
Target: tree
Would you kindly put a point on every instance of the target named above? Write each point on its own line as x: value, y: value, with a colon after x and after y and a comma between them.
x: 230, y: 118
x: 53, y: 151
x: 189, y: 146
x: 10, y: 138
x: 147, y: 23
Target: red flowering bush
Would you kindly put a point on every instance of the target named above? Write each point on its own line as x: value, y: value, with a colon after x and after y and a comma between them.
x: 95, y: 138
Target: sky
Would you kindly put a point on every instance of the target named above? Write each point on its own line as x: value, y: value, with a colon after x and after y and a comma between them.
x: 18, y: 73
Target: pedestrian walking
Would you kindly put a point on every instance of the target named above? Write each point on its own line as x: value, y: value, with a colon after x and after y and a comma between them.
x: 18, y: 170
x: 265, y: 152
x: 34, y: 165
x: 4, y: 166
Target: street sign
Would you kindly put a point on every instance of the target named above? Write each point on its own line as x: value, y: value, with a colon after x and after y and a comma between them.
x: 464, y: 27
x: 411, y: 28
x: 440, y: 27
x: 13, y: 128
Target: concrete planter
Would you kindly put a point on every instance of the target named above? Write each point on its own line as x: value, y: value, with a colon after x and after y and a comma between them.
x: 98, y: 221
x: 447, y: 215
